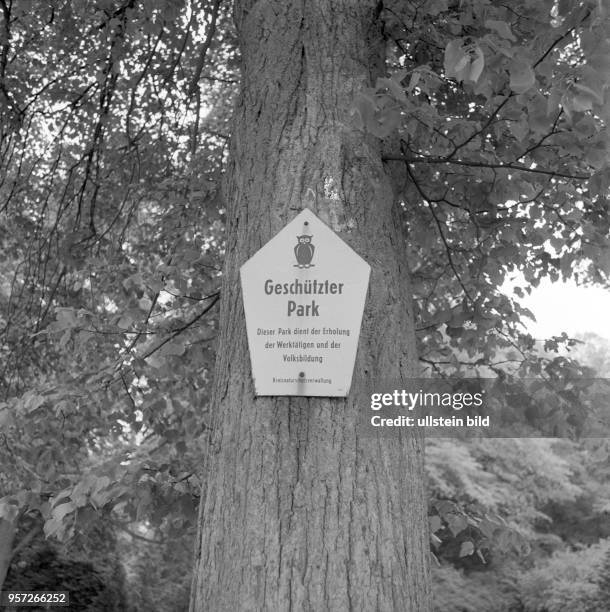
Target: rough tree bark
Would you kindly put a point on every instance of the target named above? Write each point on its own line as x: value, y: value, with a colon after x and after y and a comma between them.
x: 7, y: 536
x: 299, y: 510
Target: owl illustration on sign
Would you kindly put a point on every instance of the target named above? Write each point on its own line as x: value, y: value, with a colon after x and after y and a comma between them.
x: 303, y: 251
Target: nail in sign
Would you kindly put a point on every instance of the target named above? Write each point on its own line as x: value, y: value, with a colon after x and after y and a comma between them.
x: 304, y: 295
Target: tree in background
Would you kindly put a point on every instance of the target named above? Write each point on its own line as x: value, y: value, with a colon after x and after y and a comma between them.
x: 88, y: 567
x: 111, y: 233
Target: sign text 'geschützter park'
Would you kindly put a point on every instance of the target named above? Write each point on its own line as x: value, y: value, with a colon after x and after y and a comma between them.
x: 304, y: 295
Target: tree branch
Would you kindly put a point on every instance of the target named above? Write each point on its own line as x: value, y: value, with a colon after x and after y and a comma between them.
x: 211, y: 31
x: 476, y: 164
x: 442, y: 235
x: 4, y: 51
x: 215, y: 297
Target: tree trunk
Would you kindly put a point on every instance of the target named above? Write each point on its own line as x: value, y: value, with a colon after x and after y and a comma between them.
x: 7, y: 536
x: 300, y: 511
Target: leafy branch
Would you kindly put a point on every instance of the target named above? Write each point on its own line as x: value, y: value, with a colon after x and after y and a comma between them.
x: 214, y: 297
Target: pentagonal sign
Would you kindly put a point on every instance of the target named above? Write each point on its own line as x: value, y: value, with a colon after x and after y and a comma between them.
x: 304, y: 295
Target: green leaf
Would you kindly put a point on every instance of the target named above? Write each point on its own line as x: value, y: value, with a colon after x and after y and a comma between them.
x: 145, y: 303
x: 501, y: 27
x: 435, y: 523
x: 100, y: 494
x: 455, y: 59
x: 61, y: 510
x: 463, y: 62
x: 176, y: 347
x: 6, y: 418
x: 522, y: 76
x: 414, y: 80
x: 434, y: 7
x: 581, y: 102
x: 477, y: 64
x: 456, y: 522
x: 8, y: 510
x: 466, y: 549
x: 394, y: 87
x: 598, y: 96
x: 519, y: 129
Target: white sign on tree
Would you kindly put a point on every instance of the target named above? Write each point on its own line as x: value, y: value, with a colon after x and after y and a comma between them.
x: 304, y: 295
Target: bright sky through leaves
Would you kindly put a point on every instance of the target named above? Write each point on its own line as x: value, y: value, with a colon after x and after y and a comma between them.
x: 560, y: 307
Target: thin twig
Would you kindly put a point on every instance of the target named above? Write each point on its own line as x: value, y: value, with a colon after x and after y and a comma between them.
x: 211, y: 31
x: 215, y: 297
